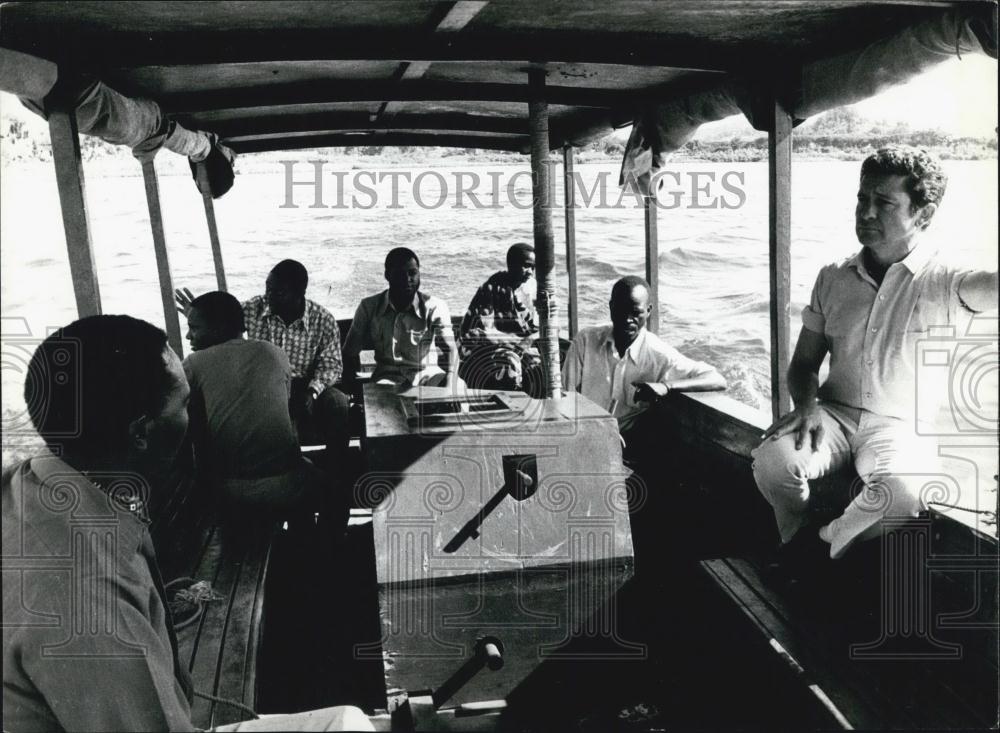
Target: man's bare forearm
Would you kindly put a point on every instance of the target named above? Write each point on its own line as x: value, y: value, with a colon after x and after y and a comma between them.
x: 709, y: 382
x: 803, y: 384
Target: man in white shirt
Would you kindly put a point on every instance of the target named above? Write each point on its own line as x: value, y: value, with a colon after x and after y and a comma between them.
x: 623, y: 367
x: 869, y: 312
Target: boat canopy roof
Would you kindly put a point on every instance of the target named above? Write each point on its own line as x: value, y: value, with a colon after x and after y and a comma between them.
x: 283, y: 75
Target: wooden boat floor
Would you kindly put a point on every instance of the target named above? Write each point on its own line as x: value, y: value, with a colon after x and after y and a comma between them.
x: 838, y: 628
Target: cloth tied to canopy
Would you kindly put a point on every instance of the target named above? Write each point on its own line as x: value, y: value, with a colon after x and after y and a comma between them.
x: 141, y: 125
x: 817, y: 87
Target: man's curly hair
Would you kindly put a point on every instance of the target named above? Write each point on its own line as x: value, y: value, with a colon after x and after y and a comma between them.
x: 925, y: 179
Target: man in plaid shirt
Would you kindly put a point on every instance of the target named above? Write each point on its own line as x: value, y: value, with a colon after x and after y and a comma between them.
x: 309, y: 336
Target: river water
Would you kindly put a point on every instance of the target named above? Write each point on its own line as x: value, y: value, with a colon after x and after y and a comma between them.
x: 712, y: 263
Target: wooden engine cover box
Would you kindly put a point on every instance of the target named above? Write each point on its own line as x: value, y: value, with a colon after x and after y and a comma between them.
x: 500, y: 519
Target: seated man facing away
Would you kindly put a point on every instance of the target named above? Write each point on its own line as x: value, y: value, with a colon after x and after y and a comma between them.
x: 240, y: 424
x: 499, y: 328
x: 869, y: 312
x: 403, y: 325
x: 88, y: 642
x: 623, y: 367
x: 308, y: 334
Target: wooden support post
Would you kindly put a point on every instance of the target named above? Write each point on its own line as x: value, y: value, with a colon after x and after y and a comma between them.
x: 162, y: 260
x: 538, y: 120
x: 569, y: 197
x: 652, y: 263
x: 213, y: 230
x: 779, y: 144
x: 73, y: 202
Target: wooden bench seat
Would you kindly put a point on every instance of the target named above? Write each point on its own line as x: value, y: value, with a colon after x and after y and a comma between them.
x: 221, y: 647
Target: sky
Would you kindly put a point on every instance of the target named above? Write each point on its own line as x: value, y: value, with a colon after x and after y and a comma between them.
x: 958, y: 96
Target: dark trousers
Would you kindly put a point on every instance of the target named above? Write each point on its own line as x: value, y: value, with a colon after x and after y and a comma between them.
x: 327, y: 423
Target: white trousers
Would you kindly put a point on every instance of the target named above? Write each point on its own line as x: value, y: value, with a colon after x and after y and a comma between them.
x: 893, y: 462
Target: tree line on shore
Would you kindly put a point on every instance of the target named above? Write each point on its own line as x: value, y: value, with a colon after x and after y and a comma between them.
x: 838, y: 134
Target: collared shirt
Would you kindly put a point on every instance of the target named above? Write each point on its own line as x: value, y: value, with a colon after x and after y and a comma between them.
x: 502, y: 305
x: 403, y: 341
x: 594, y: 369
x: 86, y: 637
x: 312, y: 342
x: 239, y: 409
x: 874, y: 332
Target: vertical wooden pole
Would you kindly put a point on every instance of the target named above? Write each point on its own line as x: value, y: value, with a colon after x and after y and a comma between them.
x: 73, y: 202
x: 652, y: 263
x: 569, y: 191
x: 538, y: 117
x: 162, y: 260
x: 779, y: 144
x: 213, y: 230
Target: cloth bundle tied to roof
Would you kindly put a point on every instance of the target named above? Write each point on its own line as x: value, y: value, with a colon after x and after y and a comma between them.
x: 819, y: 86
x: 141, y: 125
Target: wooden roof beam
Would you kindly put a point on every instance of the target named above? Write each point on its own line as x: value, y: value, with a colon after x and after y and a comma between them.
x: 452, y: 121
x: 382, y: 138
x: 99, y: 52
x: 457, y: 17
x: 191, y: 103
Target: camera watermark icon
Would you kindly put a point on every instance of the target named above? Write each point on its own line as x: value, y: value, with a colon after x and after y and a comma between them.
x: 960, y: 371
x: 55, y: 369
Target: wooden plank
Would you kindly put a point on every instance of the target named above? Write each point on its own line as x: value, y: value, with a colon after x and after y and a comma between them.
x: 333, y: 140
x: 409, y: 88
x: 237, y: 662
x: 652, y: 262
x: 170, y: 314
x: 73, y: 202
x: 541, y: 215
x: 208, y: 650
x: 415, y: 69
x: 213, y: 229
x: 569, y: 194
x: 460, y: 14
x: 237, y: 46
x: 330, y: 122
x: 250, y: 681
x: 858, y: 711
x: 779, y: 145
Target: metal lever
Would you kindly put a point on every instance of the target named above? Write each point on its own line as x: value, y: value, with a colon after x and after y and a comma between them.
x: 488, y: 653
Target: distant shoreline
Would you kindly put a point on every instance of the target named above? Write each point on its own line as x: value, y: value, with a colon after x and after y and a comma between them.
x: 806, y: 149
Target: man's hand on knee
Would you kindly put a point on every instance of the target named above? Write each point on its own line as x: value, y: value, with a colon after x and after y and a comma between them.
x: 805, y: 422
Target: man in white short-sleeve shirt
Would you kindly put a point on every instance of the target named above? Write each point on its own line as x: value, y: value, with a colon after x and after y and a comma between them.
x: 869, y: 313
x: 623, y: 367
